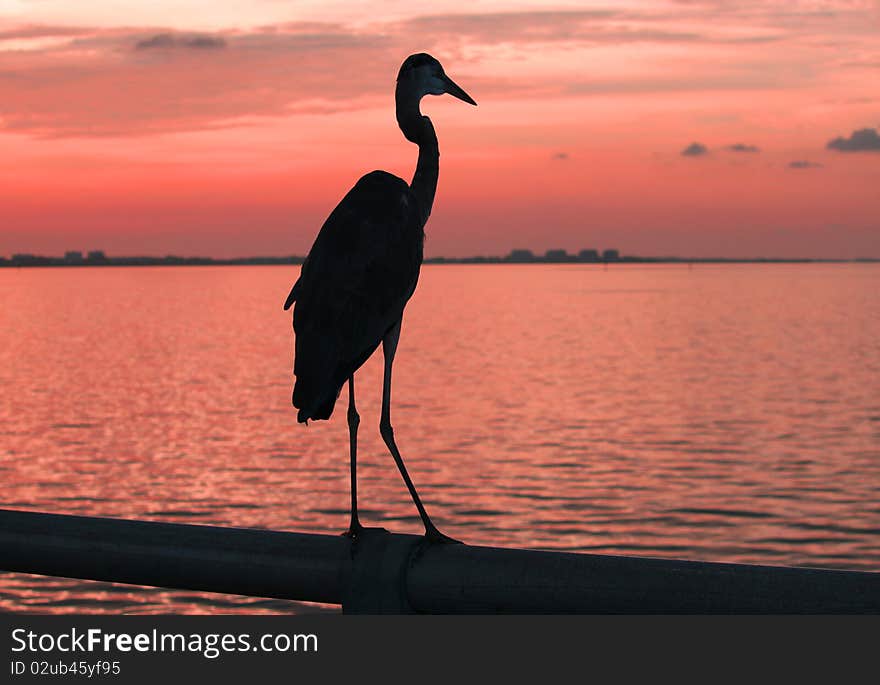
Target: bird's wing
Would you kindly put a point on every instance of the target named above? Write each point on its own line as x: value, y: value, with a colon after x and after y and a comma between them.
x: 291, y: 298
x: 355, y: 282
x: 370, y: 245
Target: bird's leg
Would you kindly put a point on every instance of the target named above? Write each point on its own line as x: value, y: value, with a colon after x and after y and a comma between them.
x: 353, y: 420
x: 389, y: 348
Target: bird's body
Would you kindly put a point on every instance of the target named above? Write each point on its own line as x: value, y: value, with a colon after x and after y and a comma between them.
x: 353, y: 287
x: 361, y: 271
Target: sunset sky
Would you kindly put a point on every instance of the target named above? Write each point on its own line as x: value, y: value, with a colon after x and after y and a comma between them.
x: 233, y: 127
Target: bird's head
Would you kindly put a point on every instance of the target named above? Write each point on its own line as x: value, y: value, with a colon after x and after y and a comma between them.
x: 422, y: 75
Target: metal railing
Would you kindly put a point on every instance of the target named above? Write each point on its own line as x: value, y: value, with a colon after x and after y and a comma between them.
x: 383, y: 572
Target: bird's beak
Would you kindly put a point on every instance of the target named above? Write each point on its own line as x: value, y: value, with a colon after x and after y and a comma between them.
x: 453, y: 89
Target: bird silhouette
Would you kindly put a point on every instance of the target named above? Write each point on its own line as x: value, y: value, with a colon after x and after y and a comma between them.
x: 360, y: 273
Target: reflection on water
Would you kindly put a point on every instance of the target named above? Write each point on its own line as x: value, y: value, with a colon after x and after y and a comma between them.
x: 723, y: 413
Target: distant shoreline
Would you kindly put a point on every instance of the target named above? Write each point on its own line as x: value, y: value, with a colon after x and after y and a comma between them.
x: 26, y: 261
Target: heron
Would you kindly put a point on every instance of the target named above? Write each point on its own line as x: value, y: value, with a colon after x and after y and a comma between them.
x: 360, y: 273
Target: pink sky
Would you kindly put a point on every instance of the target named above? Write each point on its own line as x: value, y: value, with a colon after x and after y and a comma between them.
x: 230, y: 129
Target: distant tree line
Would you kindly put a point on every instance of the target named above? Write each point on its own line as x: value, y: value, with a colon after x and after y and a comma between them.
x: 98, y: 258
x: 517, y: 256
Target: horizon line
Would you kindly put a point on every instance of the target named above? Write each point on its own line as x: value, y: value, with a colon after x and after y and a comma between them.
x: 517, y: 256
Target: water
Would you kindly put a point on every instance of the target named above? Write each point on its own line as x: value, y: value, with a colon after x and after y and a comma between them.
x: 726, y: 413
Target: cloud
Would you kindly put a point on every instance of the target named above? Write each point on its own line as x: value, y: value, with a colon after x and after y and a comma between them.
x: 742, y: 147
x: 803, y: 164
x: 190, y: 81
x: 695, y: 150
x: 862, y: 64
x: 41, y: 31
x: 863, y: 140
x: 170, y: 40
x: 589, y: 26
x: 177, y: 80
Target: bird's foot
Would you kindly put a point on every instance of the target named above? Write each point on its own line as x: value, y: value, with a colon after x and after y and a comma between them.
x: 435, y: 537
x: 354, y: 530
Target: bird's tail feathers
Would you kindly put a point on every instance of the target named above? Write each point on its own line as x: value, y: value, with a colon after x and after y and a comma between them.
x: 316, y: 410
x: 317, y: 383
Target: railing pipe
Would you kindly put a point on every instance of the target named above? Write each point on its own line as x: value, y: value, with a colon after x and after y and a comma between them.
x: 391, y: 573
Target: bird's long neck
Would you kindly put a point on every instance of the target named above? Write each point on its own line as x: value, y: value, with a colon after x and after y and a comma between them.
x: 418, y: 129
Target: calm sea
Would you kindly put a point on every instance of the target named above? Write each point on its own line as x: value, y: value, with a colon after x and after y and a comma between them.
x: 725, y: 413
